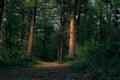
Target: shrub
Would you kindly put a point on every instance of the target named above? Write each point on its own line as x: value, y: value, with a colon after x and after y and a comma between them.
x: 14, y: 57
x: 104, y: 66
x: 95, y: 51
x: 92, y: 50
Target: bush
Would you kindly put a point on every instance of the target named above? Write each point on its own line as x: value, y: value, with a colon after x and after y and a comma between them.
x: 4, y: 53
x: 13, y: 63
x: 14, y: 57
x: 92, y: 50
x: 105, y: 69
x: 95, y: 51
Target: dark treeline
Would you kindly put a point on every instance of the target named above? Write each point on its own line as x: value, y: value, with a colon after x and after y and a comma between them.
x: 58, y: 29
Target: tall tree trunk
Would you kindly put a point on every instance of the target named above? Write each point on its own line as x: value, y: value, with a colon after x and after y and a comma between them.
x: 23, y: 29
x: 116, y: 24
x: 100, y: 34
x: 108, y: 21
x: 6, y: 37
x: 31, y: 33
x: 10, y: 40
x: 60, y: 43
x: 60, y: 46
x: 45, y: 41
x: 1, y: 10
x: 60, y: 50
x: 1, y: 14
x: 27, y: 25
x: 72, y: 38
x: 79, y: 12
x: 86, y: 18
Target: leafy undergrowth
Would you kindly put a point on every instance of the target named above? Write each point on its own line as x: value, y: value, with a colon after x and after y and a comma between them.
x: 17, y: 63
x: 105, y: 69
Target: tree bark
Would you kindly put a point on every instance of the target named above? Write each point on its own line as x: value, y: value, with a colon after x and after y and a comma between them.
x: 108, y: 22
x: 23, y: 29
x: 72, y: 38
x: 31, y: 34
x: 1, y: 10
x: 100, y: 26
x: 60, y: 43
x: 79, y: 12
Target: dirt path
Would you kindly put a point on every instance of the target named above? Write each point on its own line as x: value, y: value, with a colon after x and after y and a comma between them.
x: 43, y: 71
x: 49, y: 64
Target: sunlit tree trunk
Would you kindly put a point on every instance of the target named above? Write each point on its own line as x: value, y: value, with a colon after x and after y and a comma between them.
x: 72, y: 38
x: 31, y: 32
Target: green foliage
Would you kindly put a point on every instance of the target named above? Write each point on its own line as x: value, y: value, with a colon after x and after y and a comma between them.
x: 90, y: 50
x: 29, y: 3
x: 8, y: 63
x: 15, y: 52
x: 104, y: 64
x: 15, y: 57
x: 93, y: 50
x: 99, y: 69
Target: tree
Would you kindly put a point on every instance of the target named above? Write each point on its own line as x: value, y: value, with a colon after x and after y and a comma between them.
x: 31, y: 33
x: 1, y: 10
x: 72, y: 39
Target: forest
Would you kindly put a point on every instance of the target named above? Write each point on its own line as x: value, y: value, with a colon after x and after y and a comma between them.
x: 59, y: 39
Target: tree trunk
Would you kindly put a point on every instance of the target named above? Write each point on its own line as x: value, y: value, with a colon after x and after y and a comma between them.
x: 23, y: 29
x: 6, y: 37
x: 1, y: 10
x: 44, y: 44
x: 108, y: 23
x: 72, y: 38
x: 79, y: 12
x: 27, y: 26
x: 100, y: 34
x: 60, y: 43
x: 60, y: 46
x: 31, y: 34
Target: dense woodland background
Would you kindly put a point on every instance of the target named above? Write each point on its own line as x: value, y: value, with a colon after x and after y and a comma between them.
x: 82, y: 33
x: 58, y: 30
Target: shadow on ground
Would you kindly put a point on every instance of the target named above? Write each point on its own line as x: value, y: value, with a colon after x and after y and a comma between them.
x: 43, y: 71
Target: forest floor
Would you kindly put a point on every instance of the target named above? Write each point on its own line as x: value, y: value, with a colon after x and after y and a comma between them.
x: 55, y: 71
x: 43, y: 71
